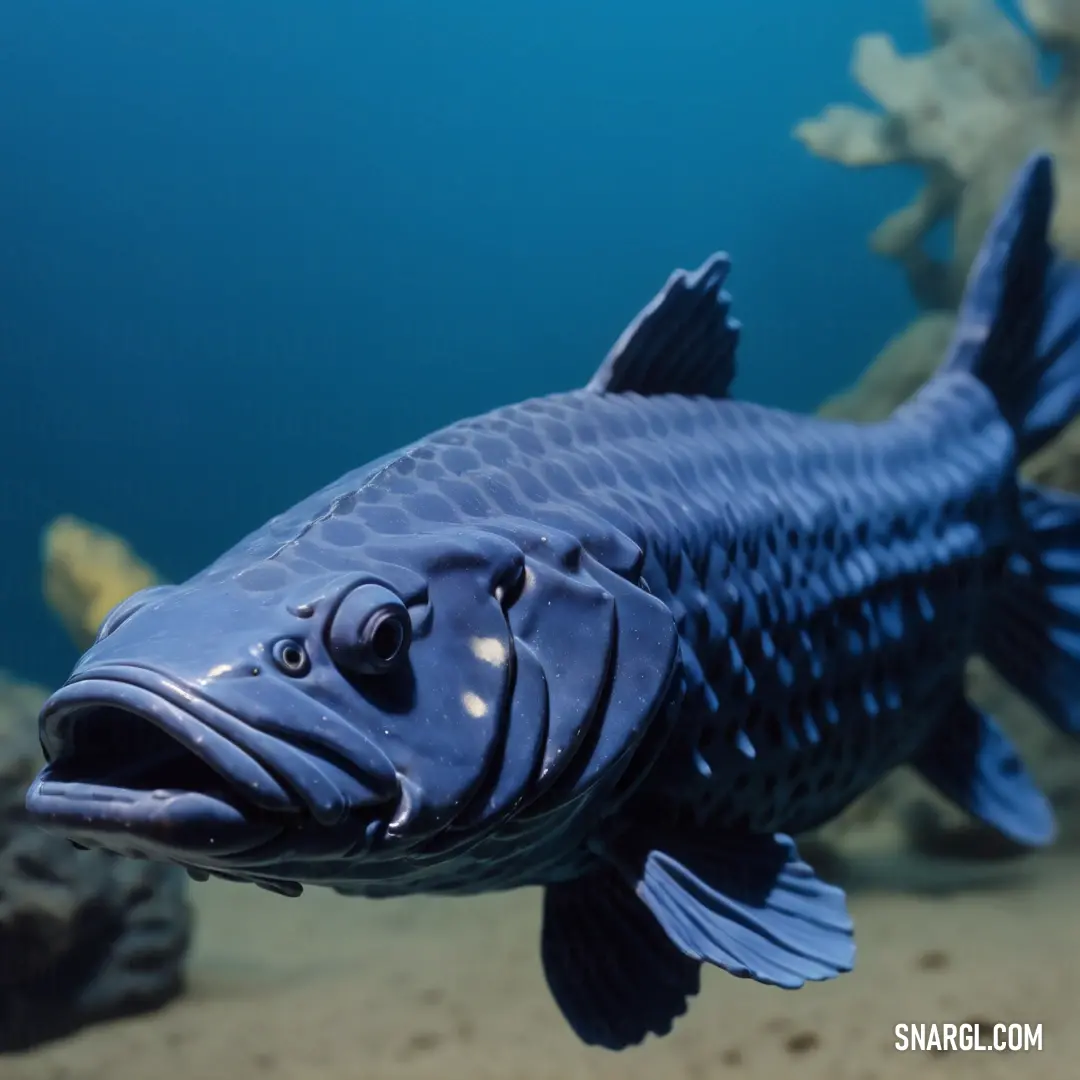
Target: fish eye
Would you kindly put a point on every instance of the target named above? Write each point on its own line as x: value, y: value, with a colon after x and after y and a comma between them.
x: 371, y: 631
x: 386, y: 635
x: 291, y: 657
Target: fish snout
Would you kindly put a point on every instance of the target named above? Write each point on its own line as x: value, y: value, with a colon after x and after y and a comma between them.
x: 140, y: 764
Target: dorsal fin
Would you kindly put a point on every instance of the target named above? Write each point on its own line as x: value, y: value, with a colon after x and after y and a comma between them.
x: 682, y: 342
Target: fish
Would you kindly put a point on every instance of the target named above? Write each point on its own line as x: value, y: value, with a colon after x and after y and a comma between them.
x: 623, y: 644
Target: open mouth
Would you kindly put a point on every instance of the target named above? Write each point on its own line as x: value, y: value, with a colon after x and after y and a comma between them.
x: 115, y: 748
x: 140, y: 771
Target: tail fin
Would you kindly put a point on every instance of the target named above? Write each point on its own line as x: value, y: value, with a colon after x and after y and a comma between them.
x: 1032, y: 636
x: 1018, y: 330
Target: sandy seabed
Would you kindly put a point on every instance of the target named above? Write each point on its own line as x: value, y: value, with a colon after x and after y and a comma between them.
x: 327, y: 988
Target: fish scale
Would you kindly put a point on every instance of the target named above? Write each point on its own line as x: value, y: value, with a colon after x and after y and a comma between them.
x: 837, y: 576
x: 619, y: 643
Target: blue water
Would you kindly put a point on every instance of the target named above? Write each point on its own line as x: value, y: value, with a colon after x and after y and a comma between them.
x: 246, y: 246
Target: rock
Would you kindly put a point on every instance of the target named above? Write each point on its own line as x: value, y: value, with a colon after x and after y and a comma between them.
x: 84, y: 936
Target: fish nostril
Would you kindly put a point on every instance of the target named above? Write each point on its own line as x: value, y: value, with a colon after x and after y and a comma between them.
x: 290, y: 657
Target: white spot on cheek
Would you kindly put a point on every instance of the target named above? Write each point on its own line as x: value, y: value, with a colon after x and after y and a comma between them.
x: 490, y: 650
x: 475, y: 705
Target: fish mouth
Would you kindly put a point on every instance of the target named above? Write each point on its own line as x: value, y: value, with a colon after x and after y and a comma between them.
x: 142, y: 766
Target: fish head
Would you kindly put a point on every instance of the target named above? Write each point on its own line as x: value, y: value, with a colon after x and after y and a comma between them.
x: 271, y: 723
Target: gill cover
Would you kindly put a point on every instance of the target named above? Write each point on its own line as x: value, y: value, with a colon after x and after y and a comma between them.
x: 440, y: 712
x: 595, y: 656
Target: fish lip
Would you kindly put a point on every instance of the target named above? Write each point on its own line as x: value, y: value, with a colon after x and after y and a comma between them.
x: 86, y: 799
x: 147, y: 696
x: 266, y: 772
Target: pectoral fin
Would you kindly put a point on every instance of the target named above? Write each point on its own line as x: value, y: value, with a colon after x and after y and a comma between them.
x: 971, y: 761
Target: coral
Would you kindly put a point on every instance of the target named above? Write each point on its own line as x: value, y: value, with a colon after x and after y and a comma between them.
x: 967, y: 113
x: 83, y: 935
x: 88, y: 571
x: 1057, y: 22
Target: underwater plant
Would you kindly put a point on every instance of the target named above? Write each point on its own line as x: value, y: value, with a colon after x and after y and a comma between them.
x: 966, y: 113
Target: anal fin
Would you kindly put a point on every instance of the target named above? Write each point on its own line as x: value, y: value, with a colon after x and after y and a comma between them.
x: 971, y: 761
x: 611, y: 969
x: 622, y: 947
